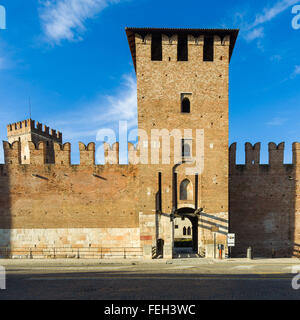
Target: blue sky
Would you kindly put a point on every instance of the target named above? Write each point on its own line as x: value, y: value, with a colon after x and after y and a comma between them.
x: 72, y: 58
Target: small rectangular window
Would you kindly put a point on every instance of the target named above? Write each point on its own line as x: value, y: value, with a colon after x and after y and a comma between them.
x: 156, y: 47
x: 186, y: 147
x: 182, y: 48
x: 208, y: 49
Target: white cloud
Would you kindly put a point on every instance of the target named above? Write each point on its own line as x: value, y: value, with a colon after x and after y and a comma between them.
x: 124, y: 105
x: 65, y: 19
x: 253, y: 29
x: 296, y: 72
x: 255, y: 34
x: 271, y: 13
x: 275, y: 122
x: 102, y: 112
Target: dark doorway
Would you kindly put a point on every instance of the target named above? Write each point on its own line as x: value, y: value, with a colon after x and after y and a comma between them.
x: 186, y: 230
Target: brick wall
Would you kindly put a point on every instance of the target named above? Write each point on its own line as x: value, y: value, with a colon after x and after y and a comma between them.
x: 263, y: 202
x: 64, y: 196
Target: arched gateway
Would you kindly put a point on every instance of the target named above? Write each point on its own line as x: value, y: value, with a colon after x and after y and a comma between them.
x: 190, y: 228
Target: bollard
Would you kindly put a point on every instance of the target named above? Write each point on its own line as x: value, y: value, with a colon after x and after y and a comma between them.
x: 249, y: 253
x: 220, y: 248
x: 273, y: 253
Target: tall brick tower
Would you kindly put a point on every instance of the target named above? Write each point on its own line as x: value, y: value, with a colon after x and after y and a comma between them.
x: 25, y: 131
x: 182, y: 84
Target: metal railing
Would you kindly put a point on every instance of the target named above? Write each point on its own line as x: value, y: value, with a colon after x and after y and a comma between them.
x: 70, y: 253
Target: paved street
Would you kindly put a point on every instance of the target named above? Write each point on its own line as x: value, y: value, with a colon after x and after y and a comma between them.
x: 187, y: 279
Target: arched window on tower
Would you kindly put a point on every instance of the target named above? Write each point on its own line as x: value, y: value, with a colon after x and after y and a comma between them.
x: 186, y: 190
x: 184, y: 231
x: 185, y: 105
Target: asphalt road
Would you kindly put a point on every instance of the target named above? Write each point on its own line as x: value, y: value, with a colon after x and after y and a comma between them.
x: 164, y: 281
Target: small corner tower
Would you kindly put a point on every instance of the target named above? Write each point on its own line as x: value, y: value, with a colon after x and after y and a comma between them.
x: 27, y: 130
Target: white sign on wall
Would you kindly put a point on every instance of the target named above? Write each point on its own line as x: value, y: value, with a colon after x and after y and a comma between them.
x: 231, y: 239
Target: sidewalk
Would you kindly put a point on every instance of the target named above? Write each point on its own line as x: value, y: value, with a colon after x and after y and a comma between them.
x: 99, y: 262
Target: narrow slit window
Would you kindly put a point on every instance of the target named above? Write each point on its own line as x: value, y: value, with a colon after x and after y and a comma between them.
x: 185, y: 105
x: 182, y: 49
x: 156, y: 47
x: 208, y: 49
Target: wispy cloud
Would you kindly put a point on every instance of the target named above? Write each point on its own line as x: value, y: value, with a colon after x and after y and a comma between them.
x: 66, y: 19
x: 6, y: 57
x: 123, y: 106
x: 276, y: 122
x: 253, y: 29
x: 276, y: 58
x: 296, y: 72
x: 254, y: 34
x: 105, y: 111
x: 102, y: 113
x: 3, y: 64
x: 269, y: 13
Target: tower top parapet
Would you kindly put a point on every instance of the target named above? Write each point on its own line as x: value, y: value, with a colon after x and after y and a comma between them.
x: 131, y: 32
x: 30, y: 126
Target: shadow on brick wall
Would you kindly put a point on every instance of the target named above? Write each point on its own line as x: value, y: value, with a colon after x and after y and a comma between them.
x: 5, y: 213
x: 263, y: 204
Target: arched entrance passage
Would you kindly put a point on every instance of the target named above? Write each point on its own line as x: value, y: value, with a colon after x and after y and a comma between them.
x: 189, y: 213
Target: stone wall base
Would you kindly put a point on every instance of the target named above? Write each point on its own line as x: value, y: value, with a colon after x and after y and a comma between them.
x: 70, y: 243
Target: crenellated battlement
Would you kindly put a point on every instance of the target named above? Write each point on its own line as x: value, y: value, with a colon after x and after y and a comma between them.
x: 196, y: 46
x: 252, y: 156
x: 12, y: 152
x: 37, y: 152
x: 87, y: 153
x: 111, y: 153
x: 30, y: 126
x: 169, y: 45
x: 62, y: 154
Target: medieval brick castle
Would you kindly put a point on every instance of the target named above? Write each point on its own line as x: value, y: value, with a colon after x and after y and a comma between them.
x: 46, y: 203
